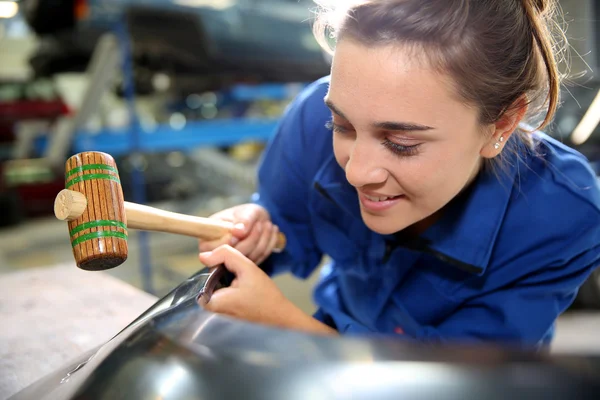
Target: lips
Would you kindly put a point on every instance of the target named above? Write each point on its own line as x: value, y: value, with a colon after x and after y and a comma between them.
x: 379, y: 203
x: 380, y: 198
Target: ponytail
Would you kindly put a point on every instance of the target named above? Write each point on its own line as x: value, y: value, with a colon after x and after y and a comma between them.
x: 539, y: 13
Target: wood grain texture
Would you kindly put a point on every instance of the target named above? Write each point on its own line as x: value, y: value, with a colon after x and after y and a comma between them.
x: 96, y: 176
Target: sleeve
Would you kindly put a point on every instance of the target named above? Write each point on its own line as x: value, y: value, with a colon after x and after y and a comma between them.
x: 284, y: 181
x: 521, y: 313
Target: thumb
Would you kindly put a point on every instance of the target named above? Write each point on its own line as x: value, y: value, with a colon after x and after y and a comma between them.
x: 232, y: 259
x: 246, y: 217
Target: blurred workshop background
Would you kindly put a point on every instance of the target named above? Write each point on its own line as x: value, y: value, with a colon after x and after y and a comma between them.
x: 185, y: 107
x: 184, y: 94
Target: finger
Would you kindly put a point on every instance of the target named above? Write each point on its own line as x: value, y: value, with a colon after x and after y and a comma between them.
x: 210, y: 245
x: 228, y: 216
x: 245, y: 216
x: 222, y: 301
x: 224, y: 215
x: 247, y: 245
x: 271, y: 245
x: 234, y: 261
x: 263, y: 242
x: 240, y: 230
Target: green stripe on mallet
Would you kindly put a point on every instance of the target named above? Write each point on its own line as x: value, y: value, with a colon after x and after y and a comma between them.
x: 96, y: 224
x: 98, y: 235
x: 90, y: 177
x: 89, y: 167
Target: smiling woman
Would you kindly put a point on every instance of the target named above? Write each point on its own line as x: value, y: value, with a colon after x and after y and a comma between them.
x: 410, y: 167
x: 417, y: 143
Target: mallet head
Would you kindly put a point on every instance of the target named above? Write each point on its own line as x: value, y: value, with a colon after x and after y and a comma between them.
x: 94, y: 206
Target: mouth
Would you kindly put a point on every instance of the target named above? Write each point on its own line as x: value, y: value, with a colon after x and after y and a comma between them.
x: 379, y: 203
x: 381, y: 198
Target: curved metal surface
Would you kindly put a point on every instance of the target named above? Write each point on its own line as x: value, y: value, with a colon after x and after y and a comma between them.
x: 177, y: 350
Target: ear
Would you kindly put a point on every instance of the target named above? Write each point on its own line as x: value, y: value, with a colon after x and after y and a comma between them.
x: 502, y: 129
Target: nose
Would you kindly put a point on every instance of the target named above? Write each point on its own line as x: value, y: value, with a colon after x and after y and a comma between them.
x: 363, y: 166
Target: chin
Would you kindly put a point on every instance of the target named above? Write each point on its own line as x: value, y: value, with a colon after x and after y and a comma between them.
x: 383, y: 225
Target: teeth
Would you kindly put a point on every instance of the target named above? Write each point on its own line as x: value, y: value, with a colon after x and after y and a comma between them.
x: 377, y: 198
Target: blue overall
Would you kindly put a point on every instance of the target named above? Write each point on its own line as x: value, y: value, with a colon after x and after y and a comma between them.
x: 504, y: 261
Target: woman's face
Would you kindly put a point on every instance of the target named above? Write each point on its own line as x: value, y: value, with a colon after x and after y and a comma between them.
x: 405, y: 141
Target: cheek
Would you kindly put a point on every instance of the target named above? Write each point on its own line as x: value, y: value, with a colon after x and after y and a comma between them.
x: 416, y: 175
x: 437, y: 174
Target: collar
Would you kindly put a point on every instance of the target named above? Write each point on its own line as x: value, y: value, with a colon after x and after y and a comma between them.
x: 466, y: 233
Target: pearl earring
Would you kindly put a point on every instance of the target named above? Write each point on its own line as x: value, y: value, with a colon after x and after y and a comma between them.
x: 497, y: 145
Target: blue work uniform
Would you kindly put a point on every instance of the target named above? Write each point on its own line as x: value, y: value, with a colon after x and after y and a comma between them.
x: 504, y: 261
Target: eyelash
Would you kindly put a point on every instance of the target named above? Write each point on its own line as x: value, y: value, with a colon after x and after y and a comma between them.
x: 398, y: 149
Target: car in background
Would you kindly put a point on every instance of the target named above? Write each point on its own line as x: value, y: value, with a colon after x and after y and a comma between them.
x: 211, y: 42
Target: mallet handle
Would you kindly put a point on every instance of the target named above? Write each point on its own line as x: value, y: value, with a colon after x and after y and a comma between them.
x: 151, y: 219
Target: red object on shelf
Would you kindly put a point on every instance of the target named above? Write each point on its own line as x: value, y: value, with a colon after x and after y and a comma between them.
x: 22, y: 110
x: 38, y: 198
x: 21, y: 102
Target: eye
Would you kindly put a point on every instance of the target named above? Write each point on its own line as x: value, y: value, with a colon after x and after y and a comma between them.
x: 401, y: 150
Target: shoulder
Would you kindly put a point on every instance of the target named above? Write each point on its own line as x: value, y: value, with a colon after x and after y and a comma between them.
x: 567, y: 168
x: 302, y: 137
x: 308, y: 109
x: 312, y: 96
x: 555, y: 203
x: 559, y: 175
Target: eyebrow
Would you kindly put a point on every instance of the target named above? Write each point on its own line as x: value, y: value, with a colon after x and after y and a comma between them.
x: 387, y: 125
x: 333, y: 108
x: 401, y: 126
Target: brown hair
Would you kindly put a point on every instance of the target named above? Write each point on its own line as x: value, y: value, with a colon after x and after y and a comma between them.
x: 496, y: 50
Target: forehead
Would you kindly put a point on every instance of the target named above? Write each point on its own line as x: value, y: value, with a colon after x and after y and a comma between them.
x: 389, y: 83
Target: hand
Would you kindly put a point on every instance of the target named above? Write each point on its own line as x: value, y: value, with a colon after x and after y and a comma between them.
x: 253, y: 296
x: 254, y: 235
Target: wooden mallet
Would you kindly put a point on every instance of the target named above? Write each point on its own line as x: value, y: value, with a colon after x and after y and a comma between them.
x: 99, y: 217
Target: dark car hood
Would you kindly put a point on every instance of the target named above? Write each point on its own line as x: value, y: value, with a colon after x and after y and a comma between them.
x: 178, y: 350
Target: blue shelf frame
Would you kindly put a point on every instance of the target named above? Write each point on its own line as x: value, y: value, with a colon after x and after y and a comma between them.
x: 164, y: 138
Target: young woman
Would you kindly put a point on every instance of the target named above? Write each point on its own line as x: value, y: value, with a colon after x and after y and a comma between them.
x: 411, y: 166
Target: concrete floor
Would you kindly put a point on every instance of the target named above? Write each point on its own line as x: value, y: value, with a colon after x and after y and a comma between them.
x: 53, y: 315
